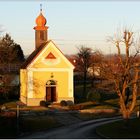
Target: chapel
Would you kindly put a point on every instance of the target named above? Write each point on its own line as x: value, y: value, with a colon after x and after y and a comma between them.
x: 46, y: 75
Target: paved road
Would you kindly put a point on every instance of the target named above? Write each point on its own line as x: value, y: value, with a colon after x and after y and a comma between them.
x: 81, y: 130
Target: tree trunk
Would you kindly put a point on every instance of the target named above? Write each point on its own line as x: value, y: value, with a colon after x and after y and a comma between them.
x: 126, y: 116
x: 125, y: 111
x: 92, y: 82
x: 84, y: 85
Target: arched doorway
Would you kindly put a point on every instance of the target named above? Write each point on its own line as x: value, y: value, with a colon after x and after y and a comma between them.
x: 51, y: 91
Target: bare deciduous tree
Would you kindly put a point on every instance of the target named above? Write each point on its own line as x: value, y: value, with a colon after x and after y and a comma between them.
x: 123, y: 71
x: 83, y: 63
x: 95, y: 66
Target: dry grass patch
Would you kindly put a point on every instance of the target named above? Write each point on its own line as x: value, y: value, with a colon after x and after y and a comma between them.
x: 118, y: 129
x: 38, y: 123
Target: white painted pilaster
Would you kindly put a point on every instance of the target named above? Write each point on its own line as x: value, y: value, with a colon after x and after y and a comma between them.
x: 30, y: 84
x: 70, y: 84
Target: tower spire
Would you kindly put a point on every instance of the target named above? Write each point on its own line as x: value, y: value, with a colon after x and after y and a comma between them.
x: 41, y: 35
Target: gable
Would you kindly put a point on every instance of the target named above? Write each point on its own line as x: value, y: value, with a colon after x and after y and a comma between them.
x: 49, y: 56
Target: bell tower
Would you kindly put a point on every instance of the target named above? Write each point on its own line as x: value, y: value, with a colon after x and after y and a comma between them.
x: 41, y: 34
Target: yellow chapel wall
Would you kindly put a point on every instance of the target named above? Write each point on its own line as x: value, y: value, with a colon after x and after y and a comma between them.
x: 40, y: 79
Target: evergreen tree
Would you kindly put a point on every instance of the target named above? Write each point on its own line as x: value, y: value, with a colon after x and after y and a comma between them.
x: 10, y: 52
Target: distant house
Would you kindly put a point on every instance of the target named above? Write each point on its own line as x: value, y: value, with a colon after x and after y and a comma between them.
x: 92, y: 70
x: 47, y: 75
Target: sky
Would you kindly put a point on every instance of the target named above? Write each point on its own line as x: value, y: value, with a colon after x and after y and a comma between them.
x: 71, y: 23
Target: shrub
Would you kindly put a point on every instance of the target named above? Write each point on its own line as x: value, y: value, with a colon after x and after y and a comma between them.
x: 43, y: 103
x: 70, y: 103
x: 93, y: 96
x: 47, y: 103
x: 9, y: 92
x: 14, y: 93
x: 63, y: 103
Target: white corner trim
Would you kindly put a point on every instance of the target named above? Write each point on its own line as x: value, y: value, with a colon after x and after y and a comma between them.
x: 70, y: 84
x: 30, y: 84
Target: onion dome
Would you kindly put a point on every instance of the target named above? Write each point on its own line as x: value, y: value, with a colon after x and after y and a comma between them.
x: 41, y: 20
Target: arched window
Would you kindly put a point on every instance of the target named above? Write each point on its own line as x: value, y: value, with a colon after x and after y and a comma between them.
x: 51, y: 82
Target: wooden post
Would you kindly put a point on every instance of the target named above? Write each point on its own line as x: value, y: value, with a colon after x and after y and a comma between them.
x: 17, y: 118
x: 138, y: 114
x: 17, y: 111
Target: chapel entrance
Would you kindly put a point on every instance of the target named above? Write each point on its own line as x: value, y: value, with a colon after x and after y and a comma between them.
x: 51, y: 91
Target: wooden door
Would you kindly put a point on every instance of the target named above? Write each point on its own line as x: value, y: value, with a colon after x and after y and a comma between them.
x: 48, y: 94
x: 51, y: 94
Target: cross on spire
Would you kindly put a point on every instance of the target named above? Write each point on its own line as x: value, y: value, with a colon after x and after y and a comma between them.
x: 40, y: 7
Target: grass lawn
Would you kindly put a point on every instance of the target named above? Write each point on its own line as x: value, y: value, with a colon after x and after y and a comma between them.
x: 12, y: 105
x: 38, y: 123
x: 91, y: 116
x: 119, y: 130
x: 8, y: 125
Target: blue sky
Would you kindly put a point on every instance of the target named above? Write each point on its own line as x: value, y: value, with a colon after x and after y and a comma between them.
x: 70, y: 23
